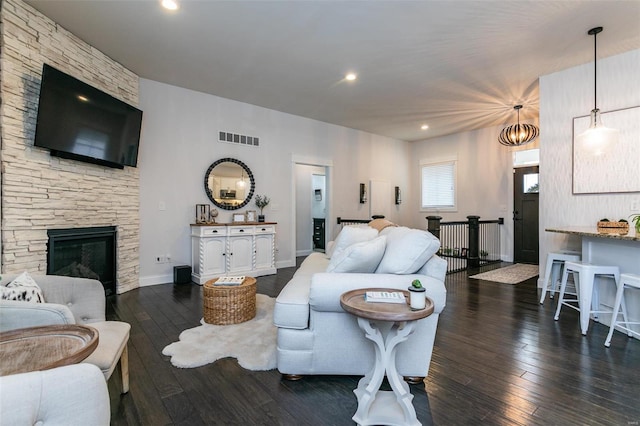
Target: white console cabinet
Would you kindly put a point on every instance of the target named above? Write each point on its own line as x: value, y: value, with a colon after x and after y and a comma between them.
x: 232, y: 249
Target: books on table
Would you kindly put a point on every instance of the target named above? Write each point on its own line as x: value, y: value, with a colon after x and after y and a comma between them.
x: 230, y: 280
x: 384, y: 297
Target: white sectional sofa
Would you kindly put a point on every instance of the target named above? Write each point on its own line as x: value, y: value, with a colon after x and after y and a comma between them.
x: 316, y: 336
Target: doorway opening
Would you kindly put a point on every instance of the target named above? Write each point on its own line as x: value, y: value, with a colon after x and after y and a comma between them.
x: 311, y: 206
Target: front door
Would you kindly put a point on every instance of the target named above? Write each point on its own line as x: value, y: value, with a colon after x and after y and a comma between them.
x: 526, y: 191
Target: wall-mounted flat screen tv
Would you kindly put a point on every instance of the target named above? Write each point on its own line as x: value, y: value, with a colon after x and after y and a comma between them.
x: 78, y: 121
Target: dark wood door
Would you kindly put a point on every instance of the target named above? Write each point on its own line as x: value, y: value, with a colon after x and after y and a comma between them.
x: 526, y: 191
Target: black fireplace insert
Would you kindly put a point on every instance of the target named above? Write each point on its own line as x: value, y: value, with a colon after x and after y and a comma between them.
x: 85, y: 253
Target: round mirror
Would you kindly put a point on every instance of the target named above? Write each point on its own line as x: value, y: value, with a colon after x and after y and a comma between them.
x: 229, y: 184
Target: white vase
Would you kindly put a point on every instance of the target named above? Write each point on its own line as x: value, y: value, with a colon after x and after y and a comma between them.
x: 417, y: 298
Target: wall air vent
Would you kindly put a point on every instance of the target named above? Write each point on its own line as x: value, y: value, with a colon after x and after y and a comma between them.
x: 238, y: 139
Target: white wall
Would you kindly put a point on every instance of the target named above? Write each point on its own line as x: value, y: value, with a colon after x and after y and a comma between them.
x: 563, y: 96
x: 485, y: 179
x: 179, y: 143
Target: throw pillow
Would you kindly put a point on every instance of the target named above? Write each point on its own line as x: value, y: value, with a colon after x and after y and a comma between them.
x: 360, y: 257
x: 329, y: 249
x: 351, y: 235
x: 380, y: 224
x: 23, y: 289
x: 407, y: 251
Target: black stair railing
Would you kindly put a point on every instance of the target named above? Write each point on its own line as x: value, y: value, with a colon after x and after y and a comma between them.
x: 467, y: 244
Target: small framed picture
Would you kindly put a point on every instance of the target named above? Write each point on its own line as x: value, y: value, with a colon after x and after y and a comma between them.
x: 202, y: 213
x: 238, y: 218
x: 251, y: 216
x: 463, y: 253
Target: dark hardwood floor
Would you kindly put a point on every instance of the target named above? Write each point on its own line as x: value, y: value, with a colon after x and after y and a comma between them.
x: 499, y: 359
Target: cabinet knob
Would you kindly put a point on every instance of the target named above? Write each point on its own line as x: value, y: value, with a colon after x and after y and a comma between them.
x: 242, y: 230
x: 214, y: 232
x: 263, y: 229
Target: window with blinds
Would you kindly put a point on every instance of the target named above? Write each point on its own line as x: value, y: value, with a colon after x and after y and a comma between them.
x: 439, y: 185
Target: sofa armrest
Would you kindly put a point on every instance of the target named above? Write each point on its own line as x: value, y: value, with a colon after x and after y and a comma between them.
x: 14, y: 315
x: 435, y: 267
x: 326, y: 288
x: 84, y: 297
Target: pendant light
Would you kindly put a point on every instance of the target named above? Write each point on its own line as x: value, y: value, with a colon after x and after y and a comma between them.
x: 241, y: 183
x: 518, y: 134
x: 597, y: 138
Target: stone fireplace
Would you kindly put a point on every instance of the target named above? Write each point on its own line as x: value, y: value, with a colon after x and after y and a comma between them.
x: 85, y: 253
x: 40, y: 193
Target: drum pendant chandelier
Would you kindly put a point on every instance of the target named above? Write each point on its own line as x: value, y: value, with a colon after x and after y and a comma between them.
x: 518, y: 134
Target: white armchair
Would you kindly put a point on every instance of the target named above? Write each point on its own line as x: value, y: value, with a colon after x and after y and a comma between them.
x: 72, y: 300
x: 71, y: 395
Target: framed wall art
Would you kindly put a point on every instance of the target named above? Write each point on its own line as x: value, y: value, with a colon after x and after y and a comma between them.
x: 202, y: 213
x: 612, y: 168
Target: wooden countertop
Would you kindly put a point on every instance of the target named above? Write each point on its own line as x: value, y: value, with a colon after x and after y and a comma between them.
x: 234, y: 224
x: 593, y: 231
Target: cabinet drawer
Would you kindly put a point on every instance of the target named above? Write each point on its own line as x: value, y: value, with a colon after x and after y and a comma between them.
x: 241, y: 230
x: 209, y: 231
x: 267, y: 229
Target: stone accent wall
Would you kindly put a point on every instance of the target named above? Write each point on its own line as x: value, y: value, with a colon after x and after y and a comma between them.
x: 41, y: 192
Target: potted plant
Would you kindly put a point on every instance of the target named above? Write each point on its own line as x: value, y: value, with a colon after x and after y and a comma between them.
x: 484, y: 253
x: 635, y: 218
x: 261, y: 202
x: 417, y: 295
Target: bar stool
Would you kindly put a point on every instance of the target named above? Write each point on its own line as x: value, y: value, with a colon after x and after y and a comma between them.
x: 554, y: 269
x: 584, y: 275
x: 629, y: 281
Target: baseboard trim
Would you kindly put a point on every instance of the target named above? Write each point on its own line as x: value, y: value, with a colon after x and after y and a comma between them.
x: 285, y: 264
x: 155, y: 280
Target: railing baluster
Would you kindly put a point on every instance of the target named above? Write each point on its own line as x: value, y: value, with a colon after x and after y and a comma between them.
x: 481, y: 238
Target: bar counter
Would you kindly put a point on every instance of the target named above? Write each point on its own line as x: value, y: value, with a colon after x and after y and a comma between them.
x: 610, y: 247
x: 591, y: 231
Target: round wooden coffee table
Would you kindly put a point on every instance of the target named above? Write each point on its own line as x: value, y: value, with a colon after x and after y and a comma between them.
x: 45, y: 347
x: 376, y: 407
x: 227, y: 304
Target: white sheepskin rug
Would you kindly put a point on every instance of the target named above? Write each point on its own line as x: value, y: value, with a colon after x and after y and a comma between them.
x: 253, y: 342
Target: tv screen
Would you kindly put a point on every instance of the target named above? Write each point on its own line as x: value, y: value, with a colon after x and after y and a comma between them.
x: 78, y: 121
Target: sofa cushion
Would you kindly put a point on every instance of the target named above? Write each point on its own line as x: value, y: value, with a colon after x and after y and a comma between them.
x: 407, y: 250
x: 351, y: 235
x: 359, y: 257
x: 22, y: 289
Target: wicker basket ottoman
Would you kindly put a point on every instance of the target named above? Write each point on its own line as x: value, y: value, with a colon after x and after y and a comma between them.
x: 225, y: 304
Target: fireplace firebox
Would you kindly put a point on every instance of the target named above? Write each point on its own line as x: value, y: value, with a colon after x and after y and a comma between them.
x: 85, y: 253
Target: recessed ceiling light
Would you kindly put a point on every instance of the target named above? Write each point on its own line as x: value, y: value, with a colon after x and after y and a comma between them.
x: 83, y: 98
x: 170, y: 4
x: 424, y: 127
x: 351, y: 76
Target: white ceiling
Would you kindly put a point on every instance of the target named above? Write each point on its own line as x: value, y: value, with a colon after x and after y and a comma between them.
x: 455, y: 65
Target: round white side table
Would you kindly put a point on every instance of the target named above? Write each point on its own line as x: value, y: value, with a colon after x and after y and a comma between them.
x: 386, y: 325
